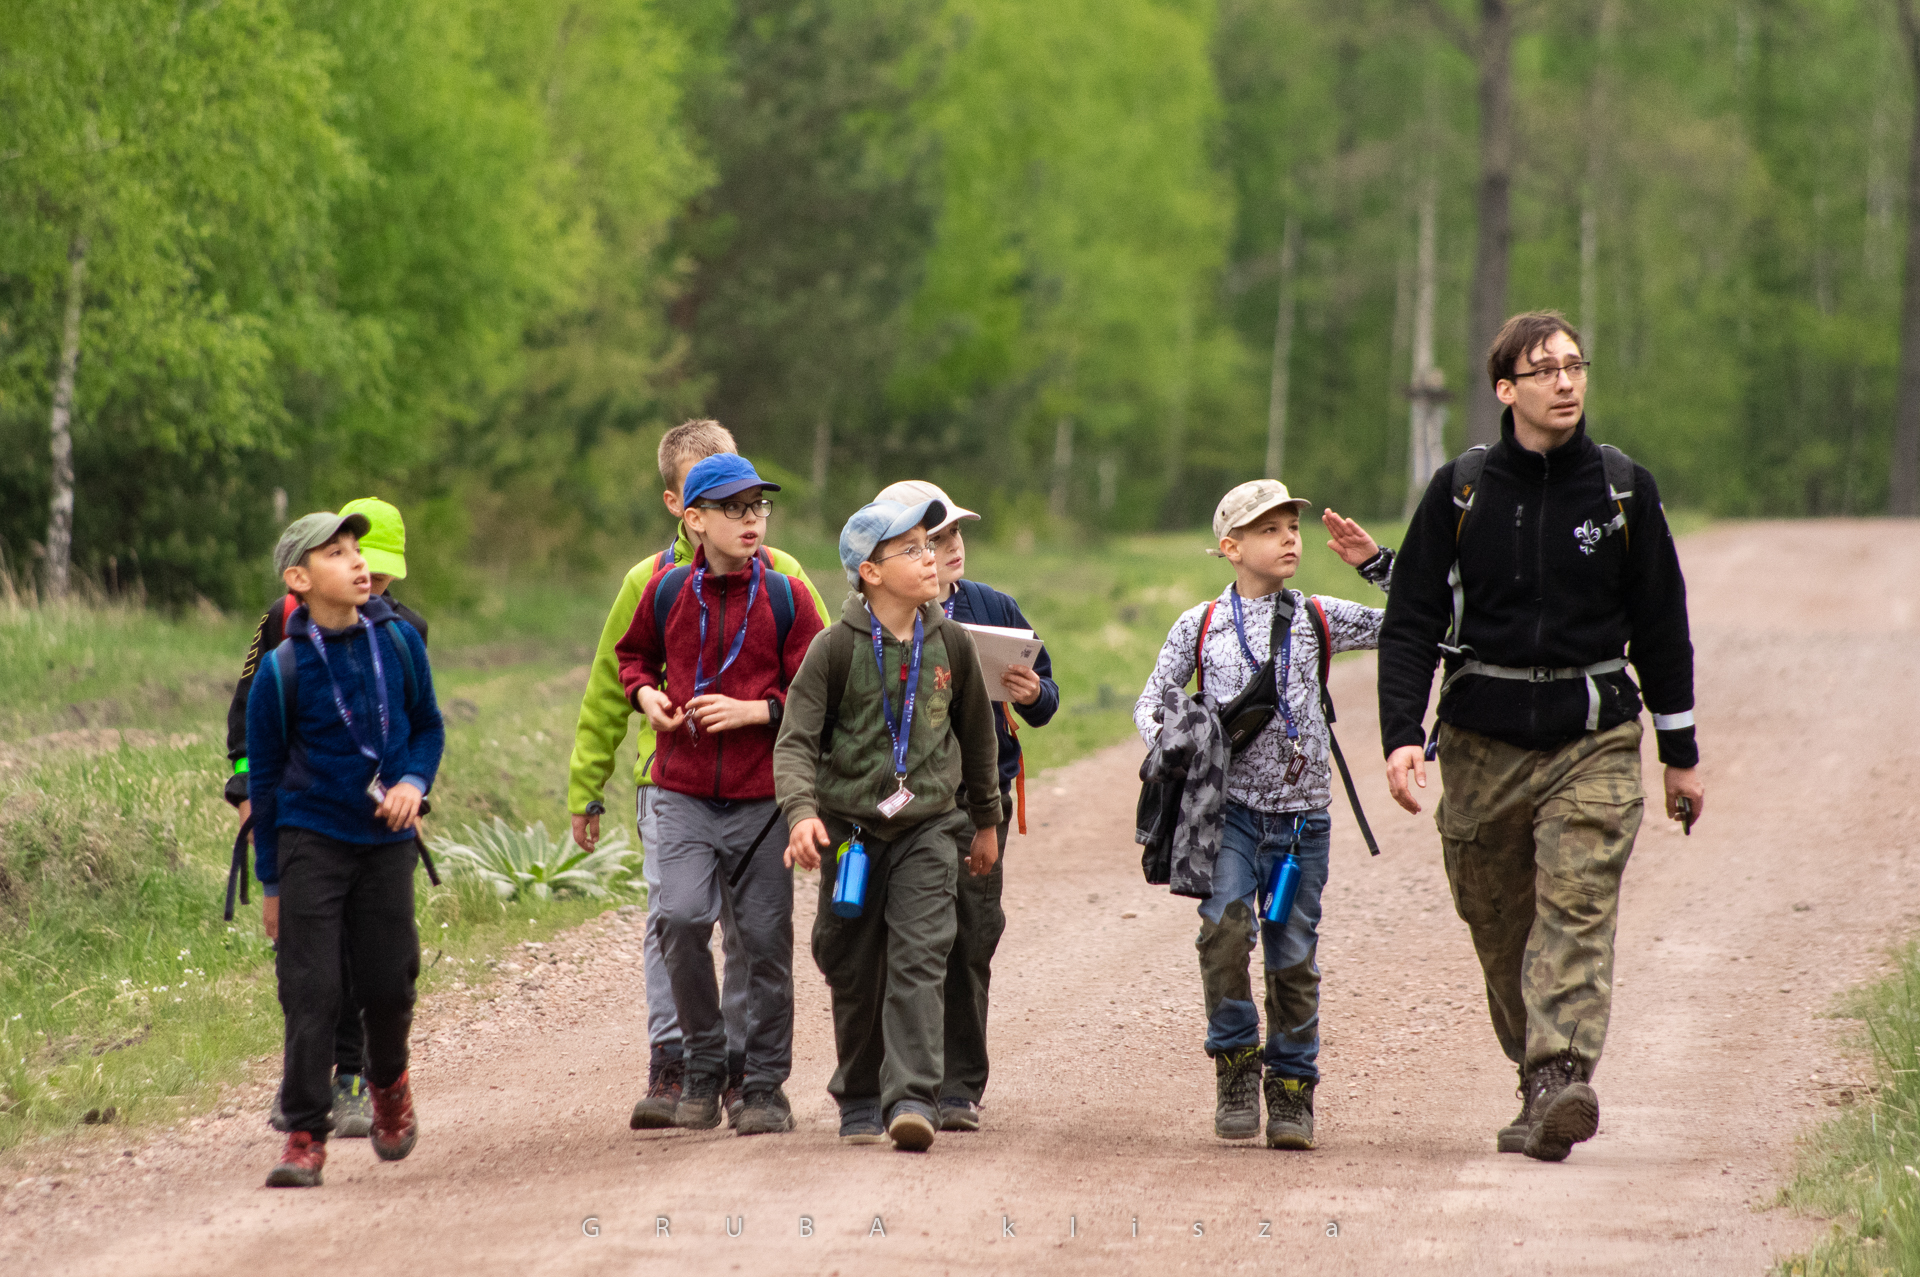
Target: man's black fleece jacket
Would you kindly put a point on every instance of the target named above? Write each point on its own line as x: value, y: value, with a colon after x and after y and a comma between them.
x: 1547, y: 584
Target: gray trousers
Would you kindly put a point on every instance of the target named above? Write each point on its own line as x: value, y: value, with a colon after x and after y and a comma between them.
x: 703, y: 848
x: 663, y: 1022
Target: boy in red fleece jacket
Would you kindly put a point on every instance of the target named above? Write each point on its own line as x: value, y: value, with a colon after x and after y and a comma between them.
x: 722, y: 632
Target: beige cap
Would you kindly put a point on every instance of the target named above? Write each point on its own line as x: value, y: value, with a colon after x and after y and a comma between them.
x: 1248, y: 502
x: 912, y: 492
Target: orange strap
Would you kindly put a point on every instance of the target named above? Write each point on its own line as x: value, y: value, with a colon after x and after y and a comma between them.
x: 1020, y: 777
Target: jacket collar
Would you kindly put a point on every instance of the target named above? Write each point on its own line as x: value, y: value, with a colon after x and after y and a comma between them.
x: 376, y: 609
x: 1555, y: 463
x: 716, y: 579
x: 853, y: 612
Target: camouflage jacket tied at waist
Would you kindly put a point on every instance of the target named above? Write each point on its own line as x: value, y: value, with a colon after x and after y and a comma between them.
x: 1190, y: 753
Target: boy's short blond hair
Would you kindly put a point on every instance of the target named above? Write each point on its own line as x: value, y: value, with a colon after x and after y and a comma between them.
x: 692, y: 441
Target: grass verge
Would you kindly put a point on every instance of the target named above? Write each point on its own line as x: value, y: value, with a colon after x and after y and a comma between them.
x: 1863, y: 1168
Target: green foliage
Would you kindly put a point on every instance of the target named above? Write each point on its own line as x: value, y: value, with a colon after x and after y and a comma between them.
x: 515, y: 860
x: 1861, y: 1167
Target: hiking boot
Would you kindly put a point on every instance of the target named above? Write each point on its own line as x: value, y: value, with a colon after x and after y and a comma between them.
x: 959, y: 1115
x: 1513, y: 1136
x: 352, y: 1107
x: 699, y: 1107
x: 1566, y: 1111
x: 277, y: 1115
x: 665, y: 1078
x: 734, y: 1098
x: 1236, y: 1112
x: 860, y: 1122
x: 394, y: 1129
x: 764, y: 1111
x: 1289, y: 1112
x: 911, y: 1129
x: 300, y: 1162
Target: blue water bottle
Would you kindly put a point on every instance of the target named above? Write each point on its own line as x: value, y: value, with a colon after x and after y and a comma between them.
x: 1281, y: 889
x: 850, y: 884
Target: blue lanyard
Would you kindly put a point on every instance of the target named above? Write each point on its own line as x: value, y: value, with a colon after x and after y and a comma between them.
x: 733, y: 654
x: 947, y: 607
x: 1286, y: 656
x: 903, y: 734
x: 339, y: 701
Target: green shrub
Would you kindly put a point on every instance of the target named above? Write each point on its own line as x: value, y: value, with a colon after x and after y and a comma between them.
x: 530, y: 860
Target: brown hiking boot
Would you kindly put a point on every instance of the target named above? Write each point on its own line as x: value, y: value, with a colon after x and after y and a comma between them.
x: 394, y: 1128
x: 300, y: 1162
x: 1236, y: 1092
x: 1565, y: 1108
x: 655, y: 1110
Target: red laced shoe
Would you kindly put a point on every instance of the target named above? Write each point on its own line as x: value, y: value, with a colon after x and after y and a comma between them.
x: 394, y: 1128
x: 300, y: 1162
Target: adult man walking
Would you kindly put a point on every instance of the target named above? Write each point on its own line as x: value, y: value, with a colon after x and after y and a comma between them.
x: 1539, y: 568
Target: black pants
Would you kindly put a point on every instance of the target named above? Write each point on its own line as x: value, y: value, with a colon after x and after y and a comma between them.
x: 349, y: 1035
x: 978, y: 923
x: 337, y: 896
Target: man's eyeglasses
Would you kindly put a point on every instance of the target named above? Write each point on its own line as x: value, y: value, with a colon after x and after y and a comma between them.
x: 1547, y: 374
x: 912, y: 554
x: 737, y: 510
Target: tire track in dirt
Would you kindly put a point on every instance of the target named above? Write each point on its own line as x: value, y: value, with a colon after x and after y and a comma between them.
x: 1732, y: 945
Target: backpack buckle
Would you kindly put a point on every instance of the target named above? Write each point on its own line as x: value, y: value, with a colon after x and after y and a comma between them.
x: 1541, y: 674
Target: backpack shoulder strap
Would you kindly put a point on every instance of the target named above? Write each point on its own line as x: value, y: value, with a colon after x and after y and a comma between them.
x: 780, y: 595
x: 409, y: 682
x: 665, y: 592
x: 1467, y: 468
x: 1619, y: 468
x: 286, y: 684
x: 1200, y: 647
x: 1317, y: 615
x: 839, y: 666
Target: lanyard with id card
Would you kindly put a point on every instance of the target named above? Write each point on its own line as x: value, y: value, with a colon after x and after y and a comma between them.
x: 902, y: 736
x: 375, y: 790
x: 1280, y: 661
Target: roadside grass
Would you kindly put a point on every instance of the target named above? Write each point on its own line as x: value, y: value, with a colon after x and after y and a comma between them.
x: 1862, y: 1169
x: 120, y: 986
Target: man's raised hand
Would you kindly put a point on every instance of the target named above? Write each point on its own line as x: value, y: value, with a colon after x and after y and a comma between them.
x: 1350, y: 540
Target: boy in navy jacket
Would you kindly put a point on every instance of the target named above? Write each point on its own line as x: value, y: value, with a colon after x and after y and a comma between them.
x: 978, y: 916
x: 344, y: 738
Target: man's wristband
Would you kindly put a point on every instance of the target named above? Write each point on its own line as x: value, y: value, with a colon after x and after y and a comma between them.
x: 595, y: 808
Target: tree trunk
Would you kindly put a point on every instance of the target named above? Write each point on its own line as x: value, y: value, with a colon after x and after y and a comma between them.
x: 1062, y: 468
x: 60, y: 429
x: 1492, y: 214
x: 1171, y: 507
x: 1903, y: 482
x: 1426, y: 448
x: 1282, y: 352
x: 1599, y: 101
x: 822, y: 454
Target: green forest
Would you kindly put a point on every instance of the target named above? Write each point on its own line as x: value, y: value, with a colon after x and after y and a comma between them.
x: 1087, y: 264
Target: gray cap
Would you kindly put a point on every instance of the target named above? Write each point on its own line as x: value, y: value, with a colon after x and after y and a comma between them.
x: 909, y: 492
x: 882, y: 521
x: 311, y: 531
x: 1244, y: 504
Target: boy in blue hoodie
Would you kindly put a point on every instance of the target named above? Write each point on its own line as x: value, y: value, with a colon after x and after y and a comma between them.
x: 344, y: 739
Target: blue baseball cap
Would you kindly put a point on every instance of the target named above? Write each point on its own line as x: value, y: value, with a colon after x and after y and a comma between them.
x: 882, y: 521
x: 720, y: 476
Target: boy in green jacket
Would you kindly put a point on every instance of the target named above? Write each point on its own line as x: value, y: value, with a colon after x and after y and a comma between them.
x: 601, y: 728
x: 910, y: 721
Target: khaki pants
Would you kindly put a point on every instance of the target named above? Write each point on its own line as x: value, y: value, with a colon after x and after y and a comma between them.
x: 1535, y: 842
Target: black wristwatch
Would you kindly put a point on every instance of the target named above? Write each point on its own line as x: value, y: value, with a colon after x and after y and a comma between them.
x: 775, y: 711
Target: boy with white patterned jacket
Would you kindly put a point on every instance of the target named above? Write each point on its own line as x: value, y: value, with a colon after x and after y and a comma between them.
x: 1278, y: 790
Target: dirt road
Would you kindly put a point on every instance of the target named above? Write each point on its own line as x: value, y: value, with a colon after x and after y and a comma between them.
x: 1098, y: 1152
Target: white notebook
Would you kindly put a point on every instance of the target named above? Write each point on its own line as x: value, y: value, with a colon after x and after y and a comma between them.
x: 1000, y: 647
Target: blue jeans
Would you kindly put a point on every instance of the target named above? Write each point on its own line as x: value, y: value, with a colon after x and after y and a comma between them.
x: 1252, y: 842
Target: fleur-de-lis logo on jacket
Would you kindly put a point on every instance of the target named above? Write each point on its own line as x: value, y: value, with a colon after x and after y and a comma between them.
x: 1588, y: 535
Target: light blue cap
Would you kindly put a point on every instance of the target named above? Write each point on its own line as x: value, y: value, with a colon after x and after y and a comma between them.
x: 882, y: 521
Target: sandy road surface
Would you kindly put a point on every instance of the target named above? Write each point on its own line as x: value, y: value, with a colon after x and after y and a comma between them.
x: 1732, y: 943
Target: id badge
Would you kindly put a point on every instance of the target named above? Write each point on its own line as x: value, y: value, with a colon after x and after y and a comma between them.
x: 891, y: 805
x: 376, y: 791
x: 1297, y: 766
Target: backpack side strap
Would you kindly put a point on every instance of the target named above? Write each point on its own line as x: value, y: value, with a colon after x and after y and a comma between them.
x: 839, y: 666
x: 285, y: 666
x: 1318, y: 615
x: 1619, y: 468
x: 1200, y: 649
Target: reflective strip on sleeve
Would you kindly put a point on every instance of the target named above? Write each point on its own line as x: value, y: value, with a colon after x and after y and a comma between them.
x: 1672, y: 722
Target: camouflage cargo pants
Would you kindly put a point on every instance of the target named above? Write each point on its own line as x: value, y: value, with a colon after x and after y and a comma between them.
x: 1535, y: 842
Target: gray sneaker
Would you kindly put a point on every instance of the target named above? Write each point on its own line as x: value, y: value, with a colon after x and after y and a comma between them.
x: 352, y: 1107
x: 699, y: 1107
x: 764, y: 1111
x: 1236, y: 1083
x: 912, y: 1127
x: 1289, y: 1112
x: 860, y: 1122
x: 959, y: 1115
x: 1567, y: 1109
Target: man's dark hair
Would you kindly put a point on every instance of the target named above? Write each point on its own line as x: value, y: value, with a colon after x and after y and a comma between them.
x: 1522, y: 333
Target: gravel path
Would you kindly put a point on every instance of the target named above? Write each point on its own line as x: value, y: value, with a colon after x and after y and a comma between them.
x: 1098, y: 1152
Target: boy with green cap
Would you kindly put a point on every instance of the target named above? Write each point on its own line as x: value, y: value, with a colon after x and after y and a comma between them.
x: 384, y: 547
x: 602, y: 727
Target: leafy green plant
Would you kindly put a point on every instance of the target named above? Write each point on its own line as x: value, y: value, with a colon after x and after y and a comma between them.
x: 533, y: 861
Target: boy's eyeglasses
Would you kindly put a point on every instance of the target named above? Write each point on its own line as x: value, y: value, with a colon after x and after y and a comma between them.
x: 737, y: 510
x: 912, y: 554
x: 1576, y: 371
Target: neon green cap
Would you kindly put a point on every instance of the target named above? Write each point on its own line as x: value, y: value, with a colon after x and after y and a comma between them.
x: 385, y: 544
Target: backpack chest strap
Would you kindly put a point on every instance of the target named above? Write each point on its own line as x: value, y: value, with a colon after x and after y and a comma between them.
x: 1547, y: 674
